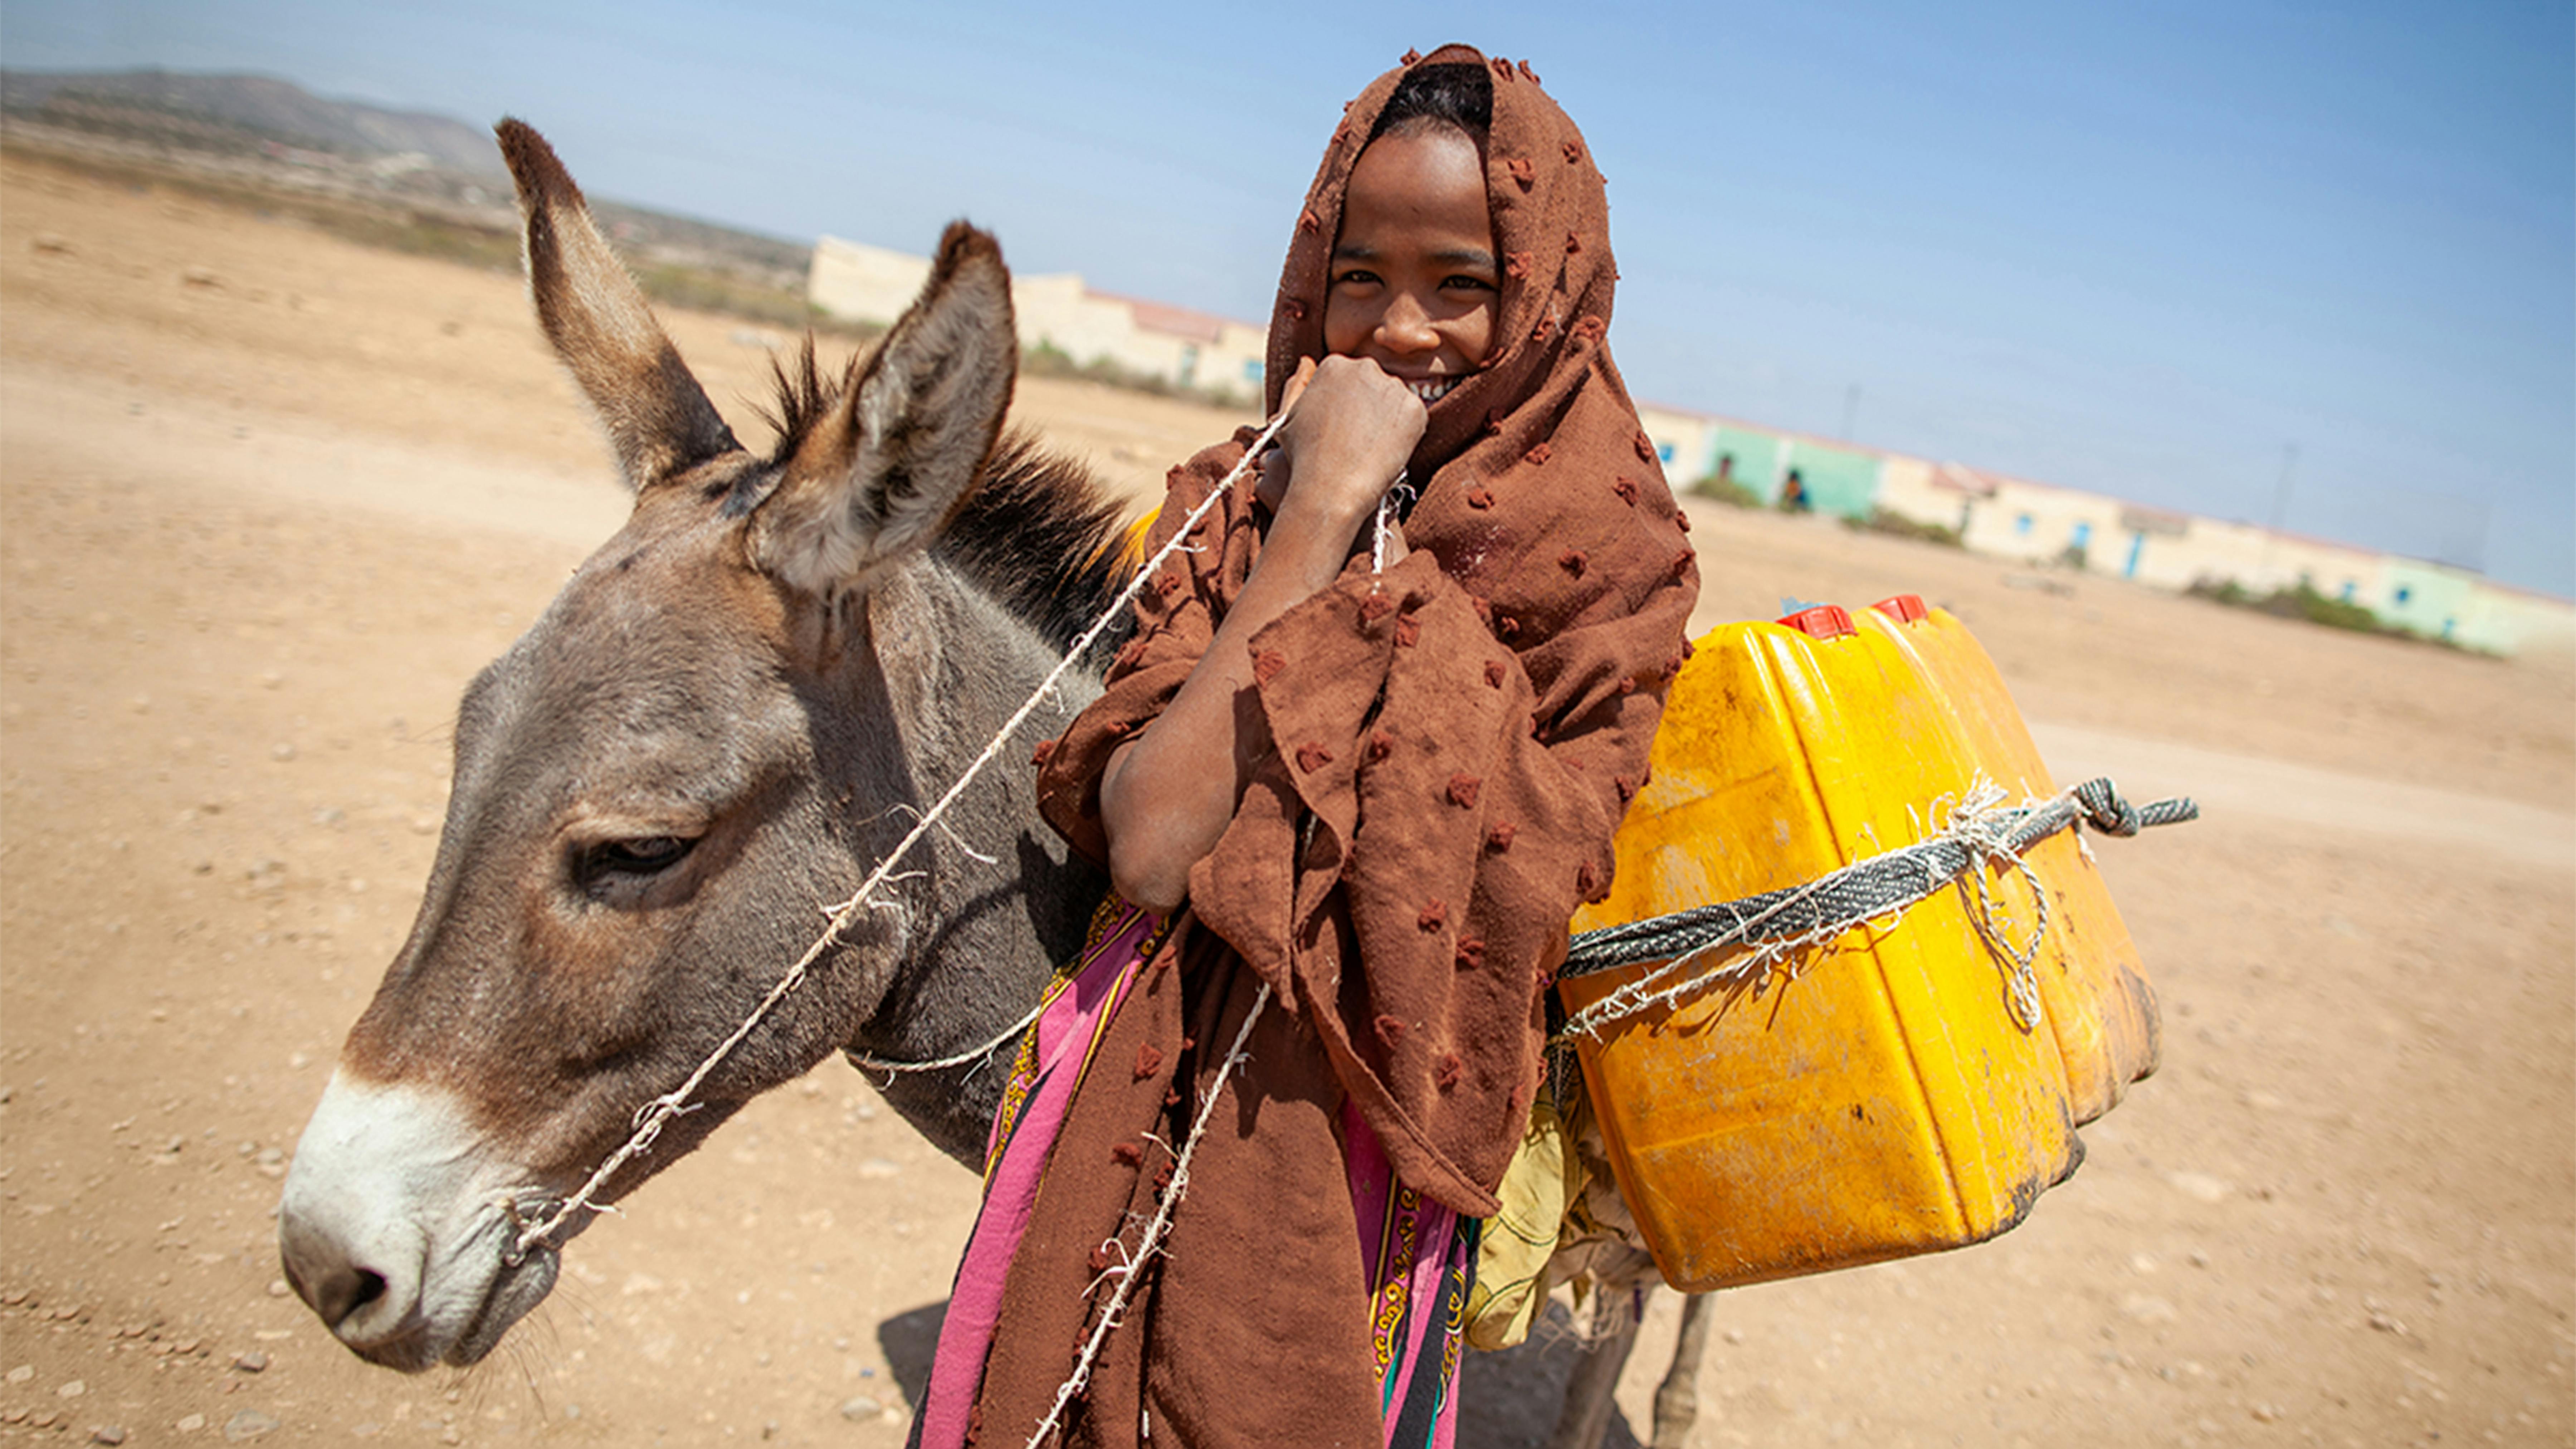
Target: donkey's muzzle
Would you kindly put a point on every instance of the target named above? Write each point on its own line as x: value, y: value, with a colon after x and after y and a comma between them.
x: 395, y: 1224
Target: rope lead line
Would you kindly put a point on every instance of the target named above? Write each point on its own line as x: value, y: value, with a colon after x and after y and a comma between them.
x: 1776, y: 925
x: 1126, y: 1273
x: 652, y: 1116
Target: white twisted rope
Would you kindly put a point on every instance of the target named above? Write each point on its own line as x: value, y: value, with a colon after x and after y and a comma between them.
x: 866, y: 1063
x: 654, y: 1115
x: 1986, y: 832
x: 1156, y: 1229
x: 1390, y: 509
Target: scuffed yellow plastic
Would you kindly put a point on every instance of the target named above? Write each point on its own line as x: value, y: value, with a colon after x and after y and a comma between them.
x: 2090, y: 981
x: 1885, y: 1102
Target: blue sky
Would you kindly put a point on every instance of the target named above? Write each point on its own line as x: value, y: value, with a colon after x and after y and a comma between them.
x: 2144, y: 250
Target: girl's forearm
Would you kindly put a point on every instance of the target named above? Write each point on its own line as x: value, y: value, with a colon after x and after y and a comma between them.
x: 1168, y: 795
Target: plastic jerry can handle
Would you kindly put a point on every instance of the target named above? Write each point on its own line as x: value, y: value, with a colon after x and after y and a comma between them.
x: 1821, y: 621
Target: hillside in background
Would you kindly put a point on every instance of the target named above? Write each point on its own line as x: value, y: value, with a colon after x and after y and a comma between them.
x: 409, y: 179
x: 242, y: 113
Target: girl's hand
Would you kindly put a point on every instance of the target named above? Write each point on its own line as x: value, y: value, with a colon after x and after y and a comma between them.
x: 1351, y: 431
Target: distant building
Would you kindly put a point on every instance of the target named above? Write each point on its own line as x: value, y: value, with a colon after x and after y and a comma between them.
x: 1194, y: 351
x: 1835, y: 478
x: 1994, y: 513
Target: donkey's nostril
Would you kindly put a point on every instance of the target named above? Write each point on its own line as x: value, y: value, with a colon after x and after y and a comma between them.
x: 338, y: 1295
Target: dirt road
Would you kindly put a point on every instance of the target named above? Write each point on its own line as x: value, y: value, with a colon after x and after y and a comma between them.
x: 267, y: 500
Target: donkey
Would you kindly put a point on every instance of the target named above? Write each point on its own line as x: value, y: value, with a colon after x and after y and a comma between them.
x: 733, y: 709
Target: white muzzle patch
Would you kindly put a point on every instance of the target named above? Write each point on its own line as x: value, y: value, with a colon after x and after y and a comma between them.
x: 394, y: 1225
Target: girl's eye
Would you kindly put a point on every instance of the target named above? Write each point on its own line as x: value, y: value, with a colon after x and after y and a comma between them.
x: 1355, y: 278
x: 1464, y: 283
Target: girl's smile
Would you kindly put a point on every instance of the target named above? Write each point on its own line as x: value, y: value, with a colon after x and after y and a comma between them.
x: 1414, y: 284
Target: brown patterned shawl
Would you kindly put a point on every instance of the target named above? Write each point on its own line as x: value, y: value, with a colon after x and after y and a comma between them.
x: 1454, y: 744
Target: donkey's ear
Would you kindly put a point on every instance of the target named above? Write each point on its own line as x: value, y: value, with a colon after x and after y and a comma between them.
x: 884, y: 472
x: 658, y: 418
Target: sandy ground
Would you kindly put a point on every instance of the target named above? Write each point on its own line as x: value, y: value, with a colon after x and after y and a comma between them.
x: 266, y: 501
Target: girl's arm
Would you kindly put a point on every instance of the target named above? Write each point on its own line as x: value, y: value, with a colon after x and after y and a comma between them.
x: 1168, y: 795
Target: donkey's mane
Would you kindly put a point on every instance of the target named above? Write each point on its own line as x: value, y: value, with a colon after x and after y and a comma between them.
x: 1039, y: 534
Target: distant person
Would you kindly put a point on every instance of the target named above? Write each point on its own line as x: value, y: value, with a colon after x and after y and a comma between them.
x: 1381, y: 795
x: 1793, y: 494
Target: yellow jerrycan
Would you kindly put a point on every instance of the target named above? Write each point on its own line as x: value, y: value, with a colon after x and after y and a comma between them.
x: 1884, y: 1101
x: 2091, y: 983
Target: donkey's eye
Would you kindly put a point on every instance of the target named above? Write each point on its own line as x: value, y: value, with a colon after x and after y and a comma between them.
x: 647, y: 855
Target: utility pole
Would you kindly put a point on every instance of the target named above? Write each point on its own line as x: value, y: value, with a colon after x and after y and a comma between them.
x: 2280, y: 508
x: 2281, y: 495
x: 2464, y: 544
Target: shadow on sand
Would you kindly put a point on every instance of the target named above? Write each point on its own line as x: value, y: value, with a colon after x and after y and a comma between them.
x: 908, y: 1339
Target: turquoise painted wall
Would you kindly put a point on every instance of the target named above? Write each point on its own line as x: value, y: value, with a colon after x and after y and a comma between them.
x: 1756, y: 458
x: 1838, y: 480
x: 2425, y: 598
x: 1841, y: 481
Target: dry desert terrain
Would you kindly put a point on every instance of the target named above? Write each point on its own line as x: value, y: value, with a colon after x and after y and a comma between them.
x: 268, y: 499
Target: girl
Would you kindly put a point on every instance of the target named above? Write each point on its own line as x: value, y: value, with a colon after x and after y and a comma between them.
x: 1373, y: 776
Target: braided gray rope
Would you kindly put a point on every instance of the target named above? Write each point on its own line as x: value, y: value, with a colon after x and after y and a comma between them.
x: 1776, y: 923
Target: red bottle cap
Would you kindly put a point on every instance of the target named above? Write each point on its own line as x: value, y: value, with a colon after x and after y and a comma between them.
x: 1821, y: 621
x: 1903, y: 608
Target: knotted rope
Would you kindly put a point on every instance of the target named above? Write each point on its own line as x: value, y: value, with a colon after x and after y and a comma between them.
x: 1781, y: 926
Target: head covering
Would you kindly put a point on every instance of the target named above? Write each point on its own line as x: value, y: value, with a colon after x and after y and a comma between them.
x: 1451, y: 746
x: 1551, y: 235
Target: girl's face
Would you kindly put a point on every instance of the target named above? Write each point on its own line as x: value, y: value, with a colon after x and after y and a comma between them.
x: 1414, y: 286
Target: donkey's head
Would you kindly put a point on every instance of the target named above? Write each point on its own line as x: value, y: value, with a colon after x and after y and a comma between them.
x: 656, y: 791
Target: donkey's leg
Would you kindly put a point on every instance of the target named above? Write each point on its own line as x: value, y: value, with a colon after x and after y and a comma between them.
x: 1591, y: 1391
x: 1677, y: 1399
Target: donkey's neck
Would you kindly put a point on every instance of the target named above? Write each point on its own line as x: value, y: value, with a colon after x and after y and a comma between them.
x: 998, y: 901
